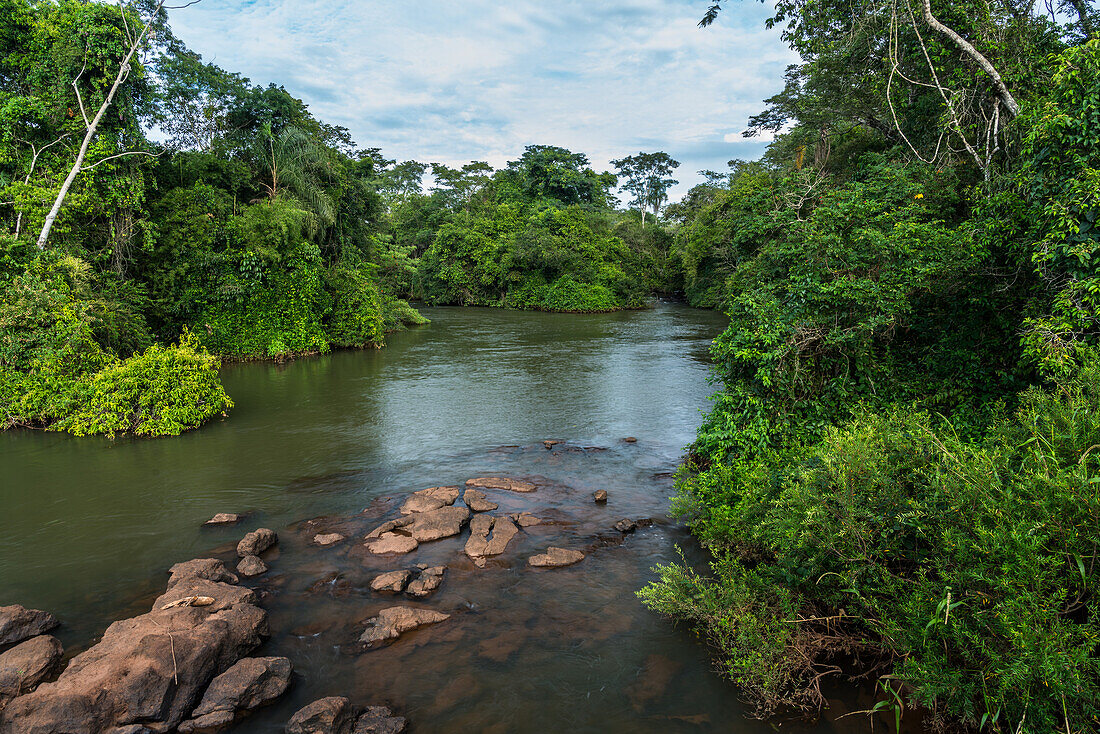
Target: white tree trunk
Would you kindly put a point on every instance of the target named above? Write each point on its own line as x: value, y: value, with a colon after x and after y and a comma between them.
x: 89, y: 135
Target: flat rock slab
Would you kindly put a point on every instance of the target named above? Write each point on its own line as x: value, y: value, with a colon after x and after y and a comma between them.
x: 556, y: 558
x: 392, y: 622
x: 151, y: 668
x: 389, y: 526
x: 392, y: 543
x: 476, y: 500
x: 524, y: 519
x: 324, y: 539
x: 17, y: 623
x: 256, y: 542
x: 247, y: 684
x: 250, y: 566
x: 332, y: 715
x: 427, y: 582
x: 379, y: 720
x: 224, y: 518
x: 436, y: 524
x: 429, y: 499
x: 511, y: 485
x: 27, y: 664
x: 393, y: 581
x: 489, y: 536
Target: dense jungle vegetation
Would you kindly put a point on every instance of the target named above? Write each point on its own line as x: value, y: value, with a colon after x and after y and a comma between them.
x: 202, y: 217
x: 900, y: 475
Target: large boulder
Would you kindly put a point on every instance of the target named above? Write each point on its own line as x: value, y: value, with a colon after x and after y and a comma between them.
x: 148, y: 671
x: 248, y: 684
x: 429, y: 499
x: 27, y: 664
x: 379, y: 720
x: 17, y: 623
x: 511, y: 485
x: 476, y: 500
x: 332, y: 715
x: 436, y: 524
x: 489, y: 536
x: 427, y: 582
x: 395, y: 621
x: 256, y: 542
x: 556, y: 557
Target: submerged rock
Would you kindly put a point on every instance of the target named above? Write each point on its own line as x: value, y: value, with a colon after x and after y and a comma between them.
x: 430, y: 499
x: 524, y: 519
x: 480, y: 544
x: 392, y: 543
x: 148, y: 670
x: 511, y: 485
x: 556, y: 557
x: 395, y: 621
x: 17, y: 623
x: 626, y: 525
x: 389, y: 526
x: 441, y: 523
x: 379, y: 720
x: 392, y: 581
x: 600, y: 496
x: 332, y: 715
x: 327, y: 539
x: 630, y: 439
x: 250, y: 566
x: 428, y: 581
x: 224, y: 518
x: 550, y: 444
x: 246, y: 685
x: 256, y: 542
x: 27, y: 664
x: 477, y: 501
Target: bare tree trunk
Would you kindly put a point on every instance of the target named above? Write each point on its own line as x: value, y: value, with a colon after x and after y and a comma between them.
x: 1002, y: 91
x: 91, y: 127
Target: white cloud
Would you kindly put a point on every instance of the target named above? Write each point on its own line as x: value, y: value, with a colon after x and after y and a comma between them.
x: 478, y: 80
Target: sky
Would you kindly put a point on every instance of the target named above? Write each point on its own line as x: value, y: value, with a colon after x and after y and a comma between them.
x: 452, y: 82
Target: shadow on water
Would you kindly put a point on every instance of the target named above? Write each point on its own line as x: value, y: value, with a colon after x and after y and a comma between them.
x: 90, y: 525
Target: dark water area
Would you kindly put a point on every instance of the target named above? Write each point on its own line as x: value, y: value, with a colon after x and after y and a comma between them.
x: 88, y: 527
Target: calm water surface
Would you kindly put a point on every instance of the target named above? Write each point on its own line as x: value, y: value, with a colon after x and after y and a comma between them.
x: 88, y: 526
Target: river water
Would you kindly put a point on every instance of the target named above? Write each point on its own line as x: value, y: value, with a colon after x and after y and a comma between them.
x: 88, y: 527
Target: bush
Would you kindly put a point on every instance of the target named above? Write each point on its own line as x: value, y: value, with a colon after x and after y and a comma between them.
x: 970, y: 567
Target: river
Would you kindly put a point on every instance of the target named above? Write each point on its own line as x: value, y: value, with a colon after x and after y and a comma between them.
x: 89, y: 526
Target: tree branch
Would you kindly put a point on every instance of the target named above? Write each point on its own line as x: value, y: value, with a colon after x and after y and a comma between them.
x: 118, y: 155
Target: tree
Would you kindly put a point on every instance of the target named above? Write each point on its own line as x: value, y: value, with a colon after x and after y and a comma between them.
x: 647, y: 179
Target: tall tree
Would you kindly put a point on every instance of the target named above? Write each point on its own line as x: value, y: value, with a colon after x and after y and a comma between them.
x: 647, y: 177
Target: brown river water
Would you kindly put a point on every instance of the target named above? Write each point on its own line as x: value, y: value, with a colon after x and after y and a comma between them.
x: 88, y: 527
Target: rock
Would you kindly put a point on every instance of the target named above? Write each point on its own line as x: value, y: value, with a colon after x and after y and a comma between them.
x: 480, y: 544
x: 332, y: 715
x: 524, y: 519
x: 256, y: 542
x: 644, y: 522
x: 247, y: 684
x: 626, y: 525
x: 379, y: 720
x: 209, y: 569
x: 27, y: 664
x: 224, y: 518
x: 476, y: 500
x: 393, y: 581
x: 556, y: 557
x: 327, y: 539
x: 600, y: 496
x: 436, y: 524
x: 550, y: 444
x: 149, y: 669
x: 429, y: 499
x: 389, y: 526
x: 630, y: 439
x: 395, y: 621
x: 392, y: 543
x: 130, y: 729
x: 512, y: 485
x: 251, y: 566
x: 17, y: 623
x: 428, y: 581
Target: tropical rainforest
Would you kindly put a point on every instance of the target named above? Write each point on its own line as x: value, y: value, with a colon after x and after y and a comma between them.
x: 899, y: 478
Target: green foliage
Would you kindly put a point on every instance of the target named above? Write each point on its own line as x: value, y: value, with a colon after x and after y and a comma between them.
x: 357, y: 317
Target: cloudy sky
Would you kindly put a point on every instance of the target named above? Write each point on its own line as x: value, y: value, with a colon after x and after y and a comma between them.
x: 452, y: 82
